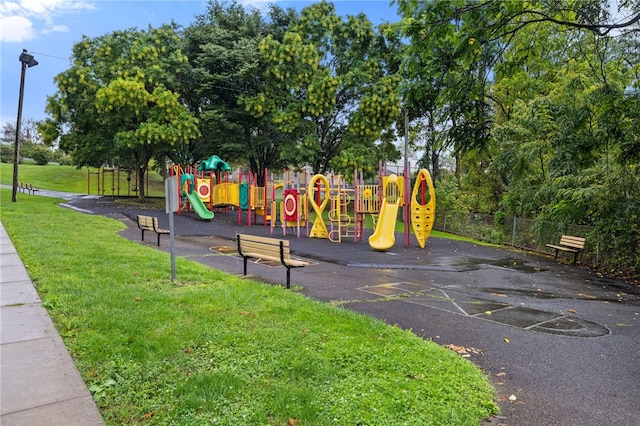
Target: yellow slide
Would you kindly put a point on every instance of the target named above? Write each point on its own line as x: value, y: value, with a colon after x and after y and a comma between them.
x: 384, y: 236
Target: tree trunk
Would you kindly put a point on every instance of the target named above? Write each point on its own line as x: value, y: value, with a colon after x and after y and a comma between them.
x: 458, y: 179
x: 435, y: 165
x: 142, y: 172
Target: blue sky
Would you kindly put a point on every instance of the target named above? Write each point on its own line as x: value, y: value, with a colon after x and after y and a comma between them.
x: 49, y: 28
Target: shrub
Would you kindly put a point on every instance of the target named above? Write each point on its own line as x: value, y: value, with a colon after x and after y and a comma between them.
x: 6, y: 153
x: 40, y: 155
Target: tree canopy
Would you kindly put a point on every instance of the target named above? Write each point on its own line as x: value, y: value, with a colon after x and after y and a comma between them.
x: 223, y: 49
x: 118, y: 103
x: 333, y: 84
x: 536, y: 96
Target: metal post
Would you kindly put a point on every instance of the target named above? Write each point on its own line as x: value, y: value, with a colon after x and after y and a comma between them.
x: 27, y: 60
x: 407, y: 182
x: 16, y: 149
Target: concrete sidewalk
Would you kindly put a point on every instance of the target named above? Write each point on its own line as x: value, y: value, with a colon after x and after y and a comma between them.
x: 39, y: 383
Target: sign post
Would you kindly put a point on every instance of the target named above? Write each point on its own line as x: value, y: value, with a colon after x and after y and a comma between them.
x: 171, y: 205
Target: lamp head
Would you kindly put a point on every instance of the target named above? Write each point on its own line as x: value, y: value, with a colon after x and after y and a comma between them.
x: 28, y: 59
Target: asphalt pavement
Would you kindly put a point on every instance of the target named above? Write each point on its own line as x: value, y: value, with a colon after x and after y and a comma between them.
x: 559, y: 342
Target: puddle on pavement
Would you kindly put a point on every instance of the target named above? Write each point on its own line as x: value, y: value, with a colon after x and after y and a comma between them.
x: 585, y: 294
x: 518, y: 316
x: 224, y: 249
x: 507, y: 263
x: 534, y: 293
x: 489, y: 310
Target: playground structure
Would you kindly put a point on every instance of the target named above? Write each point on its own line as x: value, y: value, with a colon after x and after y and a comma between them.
x: 381, y: 202
x: 339, y: 197
x: 114, y: 176
x: 215, y: 186
x: 285, y: 202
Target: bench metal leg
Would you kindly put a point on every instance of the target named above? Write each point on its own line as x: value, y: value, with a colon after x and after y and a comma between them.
x: 288, y: 277
x: 142, y: 235
x: 245, y: 265
x: 158, y: 240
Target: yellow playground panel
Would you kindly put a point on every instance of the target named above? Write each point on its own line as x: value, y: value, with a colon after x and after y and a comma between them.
x: 260, y: 199
x: 367, y: 200
x: 398, y: 182
x: 203, y: 187
x: 226, y: 194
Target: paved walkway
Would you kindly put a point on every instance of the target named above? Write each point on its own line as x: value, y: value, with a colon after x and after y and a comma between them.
x: 39, y: 383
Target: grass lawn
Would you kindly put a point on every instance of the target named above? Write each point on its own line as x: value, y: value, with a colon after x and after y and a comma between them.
x: 213, y: 348
x: 70, y: 179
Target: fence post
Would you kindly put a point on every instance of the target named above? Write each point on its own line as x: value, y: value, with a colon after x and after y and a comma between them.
x: 513, y: 232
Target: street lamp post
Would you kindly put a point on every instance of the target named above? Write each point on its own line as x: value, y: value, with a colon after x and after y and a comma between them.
x: 27, y: 61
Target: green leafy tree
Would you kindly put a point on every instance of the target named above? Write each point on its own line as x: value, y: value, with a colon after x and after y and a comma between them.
x: 566, y: 136
x: 119, y: 104
x: 553, y: 136
x: 447, y: 76
x: 333, y: 85
x: 223, y: 48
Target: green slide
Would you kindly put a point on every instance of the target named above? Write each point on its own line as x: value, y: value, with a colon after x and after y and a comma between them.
x: 198, y: 206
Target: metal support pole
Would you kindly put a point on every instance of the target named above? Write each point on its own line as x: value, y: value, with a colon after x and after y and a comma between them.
x: 16, y: 149
x: 406, y: 210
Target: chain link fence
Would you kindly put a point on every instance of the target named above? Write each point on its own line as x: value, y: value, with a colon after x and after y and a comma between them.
x: 520, y: 233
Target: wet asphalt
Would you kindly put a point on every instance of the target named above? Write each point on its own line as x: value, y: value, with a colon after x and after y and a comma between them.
x: 560, y: 344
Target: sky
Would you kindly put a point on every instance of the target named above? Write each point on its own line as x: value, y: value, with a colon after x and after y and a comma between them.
x: 48, y: 29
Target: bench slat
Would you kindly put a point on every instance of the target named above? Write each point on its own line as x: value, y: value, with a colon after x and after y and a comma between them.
x: 570, y: 241
x: 563, y: 248
x: 251, y: 246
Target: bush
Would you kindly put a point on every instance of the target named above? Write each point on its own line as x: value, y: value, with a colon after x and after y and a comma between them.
x: 6, y: 153
x: 60, y: 157
x: 40, y: 155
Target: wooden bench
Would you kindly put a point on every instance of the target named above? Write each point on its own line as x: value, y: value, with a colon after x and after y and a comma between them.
x: 569, y: 244
x: 28, y: 188
x: 150, y: 223
x: 252, y: 246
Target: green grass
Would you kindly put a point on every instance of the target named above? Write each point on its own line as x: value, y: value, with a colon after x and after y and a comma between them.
x: 70, y: 179
x: 213, y: 348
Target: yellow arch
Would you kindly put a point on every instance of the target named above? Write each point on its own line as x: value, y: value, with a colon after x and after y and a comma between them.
x: 319, y: 228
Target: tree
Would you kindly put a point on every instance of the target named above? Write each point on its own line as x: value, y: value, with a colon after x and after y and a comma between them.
x: 447, y: 76
x: 118, y: 103
x: 455, y: 46
x: 332, y: 84
x: 223, y: 49
x: 559, y: 139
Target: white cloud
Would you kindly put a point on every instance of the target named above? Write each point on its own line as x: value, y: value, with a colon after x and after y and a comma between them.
x: 261, y: 5
x: 15, y: 29
x: 22, y: 19
x: 56, y: 29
